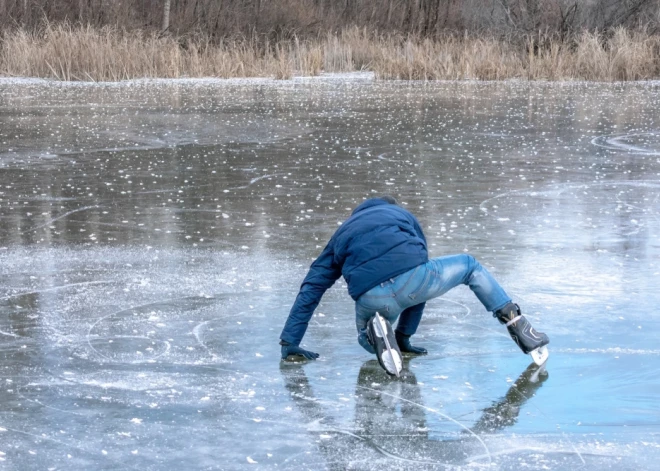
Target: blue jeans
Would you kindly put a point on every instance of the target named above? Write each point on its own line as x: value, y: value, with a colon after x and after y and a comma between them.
x: 405, y: 294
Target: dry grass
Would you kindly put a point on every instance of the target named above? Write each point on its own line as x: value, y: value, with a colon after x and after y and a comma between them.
x: 64, y: 52
x: 623, y: 56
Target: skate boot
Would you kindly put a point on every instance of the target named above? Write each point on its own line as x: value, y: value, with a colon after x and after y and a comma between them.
x: 521, y: 331
x: 403, y: 341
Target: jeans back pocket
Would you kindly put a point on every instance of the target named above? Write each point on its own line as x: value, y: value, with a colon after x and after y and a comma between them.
x: 421, y: 288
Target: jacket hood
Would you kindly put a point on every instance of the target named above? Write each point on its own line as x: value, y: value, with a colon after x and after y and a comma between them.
x: 370, y: 203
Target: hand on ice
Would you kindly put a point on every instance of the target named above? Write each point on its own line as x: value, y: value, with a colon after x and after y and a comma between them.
x: 295, y: 353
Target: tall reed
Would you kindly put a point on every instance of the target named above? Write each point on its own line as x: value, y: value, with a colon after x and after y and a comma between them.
x: 64, y: 52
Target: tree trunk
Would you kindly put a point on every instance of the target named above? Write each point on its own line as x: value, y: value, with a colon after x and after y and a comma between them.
x: 257, y: 12
x: 166, y: 15
x: 389, y: 13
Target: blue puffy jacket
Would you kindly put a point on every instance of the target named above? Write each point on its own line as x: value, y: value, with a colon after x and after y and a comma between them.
x: 378, y: 242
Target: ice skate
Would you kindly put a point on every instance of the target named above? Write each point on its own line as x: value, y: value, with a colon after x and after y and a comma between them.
x: 381, y: 337
x: 526, y: 337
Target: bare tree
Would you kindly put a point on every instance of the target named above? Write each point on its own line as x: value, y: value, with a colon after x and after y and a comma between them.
x: 225, y: 18
x: 567, y: 16
x: 166, y: 15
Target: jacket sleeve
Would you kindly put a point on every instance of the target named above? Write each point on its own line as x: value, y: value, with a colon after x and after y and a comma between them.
x: 321, y: 276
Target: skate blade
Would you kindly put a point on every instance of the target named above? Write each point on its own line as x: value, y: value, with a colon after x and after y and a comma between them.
x: 387, y: 353
x: 540, y: 355
x: 538, y: 372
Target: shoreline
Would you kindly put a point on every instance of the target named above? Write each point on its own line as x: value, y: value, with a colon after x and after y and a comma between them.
x: 346, y: 77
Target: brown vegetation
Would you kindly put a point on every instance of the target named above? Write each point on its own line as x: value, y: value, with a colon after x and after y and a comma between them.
x: 108, y: 54
x: 397, y: 39
x: 624, y: 55
x: 64, y: 52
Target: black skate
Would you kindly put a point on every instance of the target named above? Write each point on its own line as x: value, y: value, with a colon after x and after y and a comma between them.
x: 381, y: 337
x: 521, y: 331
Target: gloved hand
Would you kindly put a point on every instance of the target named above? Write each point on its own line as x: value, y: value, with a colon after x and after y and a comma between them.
x: 295, y: 353
x: 404, y: 345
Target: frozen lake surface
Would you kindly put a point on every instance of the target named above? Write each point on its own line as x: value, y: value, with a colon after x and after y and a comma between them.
x: 153, y: 237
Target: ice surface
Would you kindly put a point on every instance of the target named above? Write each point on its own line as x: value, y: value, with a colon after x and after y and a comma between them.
x: 154, y: 235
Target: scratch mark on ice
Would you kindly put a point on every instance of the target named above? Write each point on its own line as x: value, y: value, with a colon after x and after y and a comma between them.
x: 84, y: 208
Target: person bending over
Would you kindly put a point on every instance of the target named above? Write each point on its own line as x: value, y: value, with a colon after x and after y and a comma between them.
x: 381, y: 252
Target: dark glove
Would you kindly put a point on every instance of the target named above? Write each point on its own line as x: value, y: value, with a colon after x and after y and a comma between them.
x: 295, y: 353
x: 404, y: 345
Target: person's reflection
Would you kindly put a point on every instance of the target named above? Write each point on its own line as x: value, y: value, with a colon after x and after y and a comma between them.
x: 504, y: 413
x: 391, y: 421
